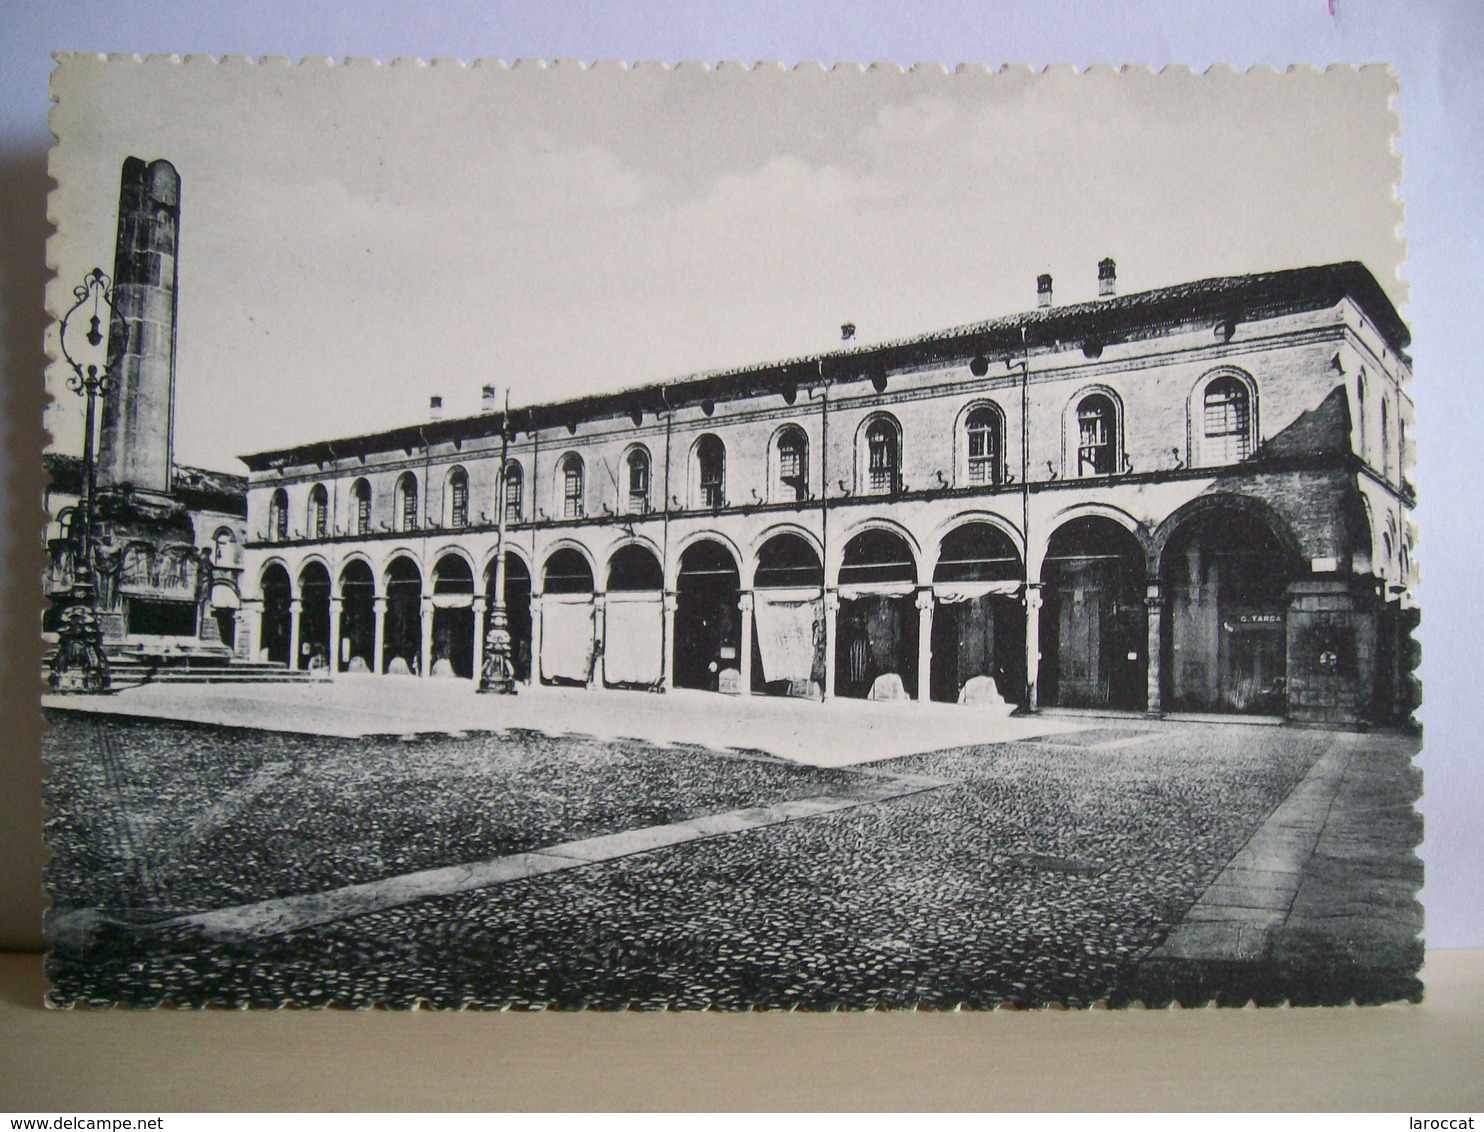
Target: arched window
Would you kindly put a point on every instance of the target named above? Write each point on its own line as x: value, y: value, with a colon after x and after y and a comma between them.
x: 319, y: 511
x: 883, y: 458
x: 1226, y: 422
x: 710, y: 471
x: 985, y: 444
x: 458, y: 498
x: 407, y: 502
x: 278, y: 516
x: 1097, y: 435
x: 572, y: 486
x: 793, y: 464
x: 1385, y: 438
x: 636, y: 469
x: 514, y: 491
x: 360, y: 494
x: 1362, y: 445
x: 224, y: 548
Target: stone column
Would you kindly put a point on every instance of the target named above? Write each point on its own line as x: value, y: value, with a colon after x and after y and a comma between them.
x: 1154, y: 599
x: 831, y: 613
x: 378, y: 656
x: 924, y: 645
x: 480, y: 604
x: 337, y: 605
x: 249, y: 628
x: 296, y: 606
x: 1032, y: 644
x: 744, y: 649
x: 425, y: 646
x: 667, y: 662
x: 536, y: 618
x: 600, y: 616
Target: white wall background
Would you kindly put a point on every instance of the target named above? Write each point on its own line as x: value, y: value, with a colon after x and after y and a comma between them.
x: 1435, y: 47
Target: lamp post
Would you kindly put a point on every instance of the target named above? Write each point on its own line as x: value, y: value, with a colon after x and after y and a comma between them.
x: 79, y: 664
x: 497, y: 676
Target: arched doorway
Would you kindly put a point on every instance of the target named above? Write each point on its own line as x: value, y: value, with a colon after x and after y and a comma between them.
x: 1094, y: 623
x: 978, y: 613
x: 314, y: 617
x: 453, y: 618
x: 277, y: 593
x: 634, y: 619
x: 878, y: 619
x: 357, y: 617
x: 788, y: 618
x: 706, y: 618
x: 567, y: 653
x: 402, y: 651
x: 517, y: 611
x: 1224, y: 574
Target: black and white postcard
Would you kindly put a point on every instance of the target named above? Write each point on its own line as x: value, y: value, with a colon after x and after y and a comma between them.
x: 632, y: 537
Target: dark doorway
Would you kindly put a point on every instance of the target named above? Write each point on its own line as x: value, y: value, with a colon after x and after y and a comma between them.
x: 357, y: 617
x: 878, y: 619
x: 1226, y: 644
x: 978, y: 615
x: 404, y: 621
x: 453, y: 618
x: 276, y: 596
x: 148, y: 618
x: 1094, y: 623
x: 517, y: 611
x: 706, y: 616
x: 314, y: 618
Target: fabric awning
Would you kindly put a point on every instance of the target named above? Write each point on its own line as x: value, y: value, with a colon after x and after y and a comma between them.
x: 786, y: 635
x: 951, y: 592
x: 567, y: 637
x: 877, y: 589
x: 633, y: 638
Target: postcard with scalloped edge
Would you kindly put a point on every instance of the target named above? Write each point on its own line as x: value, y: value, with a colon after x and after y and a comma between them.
x: 630, y: 537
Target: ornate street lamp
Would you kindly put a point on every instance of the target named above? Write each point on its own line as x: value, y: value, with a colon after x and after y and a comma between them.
x: 497, y: 676
x: 79, y: 664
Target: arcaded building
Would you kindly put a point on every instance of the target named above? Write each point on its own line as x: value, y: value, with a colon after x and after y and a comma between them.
x: 1186, y: 500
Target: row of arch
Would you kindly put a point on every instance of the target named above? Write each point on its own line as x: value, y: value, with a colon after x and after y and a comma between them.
x: 1089, y: 634
x: 1223, y: 431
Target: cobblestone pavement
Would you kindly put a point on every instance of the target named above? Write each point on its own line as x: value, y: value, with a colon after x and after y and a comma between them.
x: 1044, y: 872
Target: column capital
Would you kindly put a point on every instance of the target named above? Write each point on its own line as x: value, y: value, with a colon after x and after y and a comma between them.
x: 925, y: 598
x: 378, y: 604
x: 295, y: 604
x: 336, y: 599
x: 672, y: 602
x: 831, y: 601
x: 481, y: 603
x: 744, y: 601
x: 1033, y: 596
x: 600, y: 600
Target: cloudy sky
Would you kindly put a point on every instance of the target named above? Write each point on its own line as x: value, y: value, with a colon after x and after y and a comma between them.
x: 357, y: 238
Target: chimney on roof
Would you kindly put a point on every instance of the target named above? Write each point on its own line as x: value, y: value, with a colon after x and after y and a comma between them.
x: 1043, y: 291
x: 435, y: 408
x: 847, y: 331
x: 1107, y: 279
x: 489, y: 399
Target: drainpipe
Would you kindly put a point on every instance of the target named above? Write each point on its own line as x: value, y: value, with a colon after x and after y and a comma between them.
x: 1032, y: 601
x: 666, y: 600
x: 824, y: 530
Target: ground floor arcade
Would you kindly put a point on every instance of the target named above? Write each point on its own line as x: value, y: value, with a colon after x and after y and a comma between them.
x: 1218, y: 608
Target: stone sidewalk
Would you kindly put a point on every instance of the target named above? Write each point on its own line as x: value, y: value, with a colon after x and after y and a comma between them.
x: 1330, y: 879
x: 835, y: 733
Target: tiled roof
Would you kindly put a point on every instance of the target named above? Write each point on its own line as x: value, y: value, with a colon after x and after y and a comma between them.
x: 1103, y: 321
